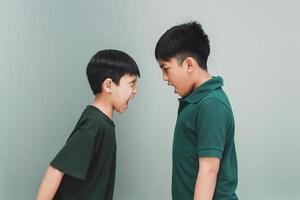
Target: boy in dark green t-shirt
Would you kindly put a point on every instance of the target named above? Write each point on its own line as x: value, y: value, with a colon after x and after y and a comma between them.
x: 85, y: 167
x: 204, y: 156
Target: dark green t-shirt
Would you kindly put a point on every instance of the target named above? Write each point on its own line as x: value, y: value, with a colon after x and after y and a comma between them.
x: 204, y: 128
x: 88, y: 159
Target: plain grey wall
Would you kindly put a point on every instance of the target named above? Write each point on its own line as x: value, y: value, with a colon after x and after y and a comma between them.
x: 44, y: 49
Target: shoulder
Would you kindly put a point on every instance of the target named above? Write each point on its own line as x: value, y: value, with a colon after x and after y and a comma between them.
x: 215, y: 107
x: 216, y: 100
x: 89, y: 123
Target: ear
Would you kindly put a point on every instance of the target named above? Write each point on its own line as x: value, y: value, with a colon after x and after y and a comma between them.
x: 189, y: 63
x: 107, y: 85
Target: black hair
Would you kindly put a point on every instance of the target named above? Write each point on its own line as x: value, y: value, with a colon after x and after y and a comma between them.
x: 109, y: 63
x: 182, y: 41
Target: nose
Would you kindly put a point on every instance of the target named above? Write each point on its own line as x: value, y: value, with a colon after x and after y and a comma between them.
x: 165, y: 77
x: 135, y: 90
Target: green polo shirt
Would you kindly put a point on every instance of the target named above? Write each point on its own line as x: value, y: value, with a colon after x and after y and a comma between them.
x: 204, y: 128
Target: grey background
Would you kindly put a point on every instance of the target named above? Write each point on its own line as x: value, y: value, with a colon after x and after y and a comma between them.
x: 44, y: 49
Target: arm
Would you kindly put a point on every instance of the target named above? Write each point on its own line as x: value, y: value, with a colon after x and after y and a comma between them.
x: 50, y: 183
x: 206, y: 179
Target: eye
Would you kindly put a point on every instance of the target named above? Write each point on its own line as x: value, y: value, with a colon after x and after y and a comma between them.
x: 132, y: 84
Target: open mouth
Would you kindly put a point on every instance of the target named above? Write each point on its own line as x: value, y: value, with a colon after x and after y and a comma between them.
x: 126, y: 105
x: 174, y: 87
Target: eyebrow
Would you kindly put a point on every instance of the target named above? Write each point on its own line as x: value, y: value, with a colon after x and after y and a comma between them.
x: 133, y: 81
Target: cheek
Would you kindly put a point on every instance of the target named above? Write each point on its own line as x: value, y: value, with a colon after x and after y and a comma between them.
x: 182, y: 83
x: 125, y: 94
x: 171, y: 77
x: 177, y: 80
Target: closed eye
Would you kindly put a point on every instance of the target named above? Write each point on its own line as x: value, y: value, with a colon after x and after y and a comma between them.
x: 166, y: 70
x: 132, y: 83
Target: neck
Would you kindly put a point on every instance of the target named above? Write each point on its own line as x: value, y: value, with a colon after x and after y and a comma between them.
x: 102, y: 103
x: 201, y: 78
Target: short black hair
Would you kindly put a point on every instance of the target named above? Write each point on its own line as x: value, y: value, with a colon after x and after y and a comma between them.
x: 109, y: 63
x: 182, y: 41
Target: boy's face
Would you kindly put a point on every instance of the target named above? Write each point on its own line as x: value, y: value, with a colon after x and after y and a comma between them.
x: 124, y: 92
x: 176, y: 75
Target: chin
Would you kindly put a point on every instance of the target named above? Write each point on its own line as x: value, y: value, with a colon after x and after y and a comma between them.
x: 183, y: 94
x: 121, y: 110
x: 179, y: 93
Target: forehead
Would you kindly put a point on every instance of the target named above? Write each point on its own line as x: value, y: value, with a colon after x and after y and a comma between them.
x: 128, y: 78
x: 172, y: 62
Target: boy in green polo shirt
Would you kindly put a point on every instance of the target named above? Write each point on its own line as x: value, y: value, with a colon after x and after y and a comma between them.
x: 204, y: 157
x: 84, y: 169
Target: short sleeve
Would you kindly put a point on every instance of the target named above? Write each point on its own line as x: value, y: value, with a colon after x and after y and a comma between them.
x: 212, y: 124
x: 75, y: 157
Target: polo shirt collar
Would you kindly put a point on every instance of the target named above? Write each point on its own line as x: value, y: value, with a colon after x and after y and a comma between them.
x: 198, y: 93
